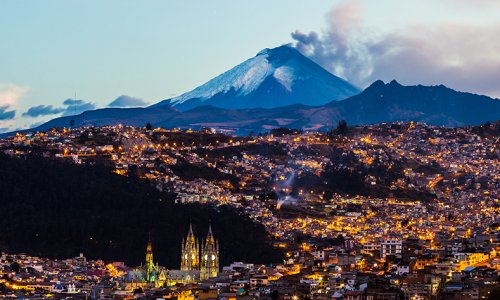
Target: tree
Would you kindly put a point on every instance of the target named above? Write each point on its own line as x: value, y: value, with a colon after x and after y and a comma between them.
x: 495, y: 293
x: 342, y: 127
x: 339, y: 240
x: 284, y: 131
x: 133, y: 171
x: 274, y: 295
x: 149, y: 126
x: 15, y: 267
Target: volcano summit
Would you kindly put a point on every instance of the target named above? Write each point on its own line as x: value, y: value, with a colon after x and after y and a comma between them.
x: 274, y: 77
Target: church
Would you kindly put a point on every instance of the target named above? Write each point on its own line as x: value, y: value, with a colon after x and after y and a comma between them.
x: 200, y: 257
x: 199, y: 261
x: 148, y: 275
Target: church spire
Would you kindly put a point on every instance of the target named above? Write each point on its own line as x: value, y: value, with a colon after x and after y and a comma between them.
x: 149, y: 260
x: 209, y: 256
x: 210, y: 240
x: 149, y: 250
x: 210, y: 228
x: 190, y: 259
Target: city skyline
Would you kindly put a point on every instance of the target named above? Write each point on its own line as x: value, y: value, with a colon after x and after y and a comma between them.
x: 389, y: 210
x: 250, y: 150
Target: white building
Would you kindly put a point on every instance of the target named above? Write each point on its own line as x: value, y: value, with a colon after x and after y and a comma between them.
x: 390, y: 247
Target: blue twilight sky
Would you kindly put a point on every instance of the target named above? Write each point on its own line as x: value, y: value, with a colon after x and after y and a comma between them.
x: 129, y: 53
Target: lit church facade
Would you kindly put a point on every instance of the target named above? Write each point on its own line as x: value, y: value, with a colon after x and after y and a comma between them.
x: 199, y: 261
x: 147, y: 275
x: 202, y: 257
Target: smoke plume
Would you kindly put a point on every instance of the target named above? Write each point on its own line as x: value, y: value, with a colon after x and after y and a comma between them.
x: 460, y: 55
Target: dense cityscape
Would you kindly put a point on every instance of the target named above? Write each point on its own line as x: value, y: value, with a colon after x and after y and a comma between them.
x: 386, y: 211
x: 250, y: 150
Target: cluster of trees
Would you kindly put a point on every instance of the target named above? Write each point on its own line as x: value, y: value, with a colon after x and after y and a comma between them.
x: 192, y: 139
x: 331, y: 181
x: 341, y: 129
x: 189, y: 172
x: 57, y: 210
x: 266, y: 149
x: 285, y: 131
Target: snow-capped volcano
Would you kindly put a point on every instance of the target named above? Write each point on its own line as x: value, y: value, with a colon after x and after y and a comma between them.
x: 274, y: 77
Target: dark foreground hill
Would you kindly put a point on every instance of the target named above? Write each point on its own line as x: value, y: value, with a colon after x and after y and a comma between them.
x: 57, y: 210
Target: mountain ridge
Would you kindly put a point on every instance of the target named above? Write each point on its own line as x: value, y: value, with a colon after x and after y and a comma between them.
x: 435, y: 105
x: 379, y: 103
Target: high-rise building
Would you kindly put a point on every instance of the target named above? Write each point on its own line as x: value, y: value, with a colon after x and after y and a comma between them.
x: 390, y: 247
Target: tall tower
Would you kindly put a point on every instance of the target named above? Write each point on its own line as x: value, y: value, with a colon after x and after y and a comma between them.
x: 209, y: 257
x: 149, y: 267
x: 190, y: 259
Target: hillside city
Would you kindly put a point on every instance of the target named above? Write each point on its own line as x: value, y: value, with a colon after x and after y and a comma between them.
x: 386, y: 211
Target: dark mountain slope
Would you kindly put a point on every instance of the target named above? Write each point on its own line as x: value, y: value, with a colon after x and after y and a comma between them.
x: 113, y: 116
x: 434, y: 105
x: 58, y: 210
x: 379, y: 103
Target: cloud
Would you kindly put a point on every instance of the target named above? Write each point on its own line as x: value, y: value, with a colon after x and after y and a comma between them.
x: 460, y: 55
x: 6, y: 114
x: 10, y: 93
x: 127, y: 101
x: 75, y: 107
x: 43, y: 110
x: 73, y: 102
x: 70, y: 107
x: 337, y: 48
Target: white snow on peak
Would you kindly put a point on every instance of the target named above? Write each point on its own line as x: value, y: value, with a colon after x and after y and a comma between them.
x: 284, y: 75
x: 264, y: 51
x: 244, y: 79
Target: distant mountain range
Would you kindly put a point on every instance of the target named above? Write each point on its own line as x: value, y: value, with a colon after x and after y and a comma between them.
x: 282, y: 88
x: 380, y: 102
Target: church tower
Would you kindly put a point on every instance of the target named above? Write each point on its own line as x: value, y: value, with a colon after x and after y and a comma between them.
x: 190, y: 259
x: 149, y: 266
x: 209, y: 257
